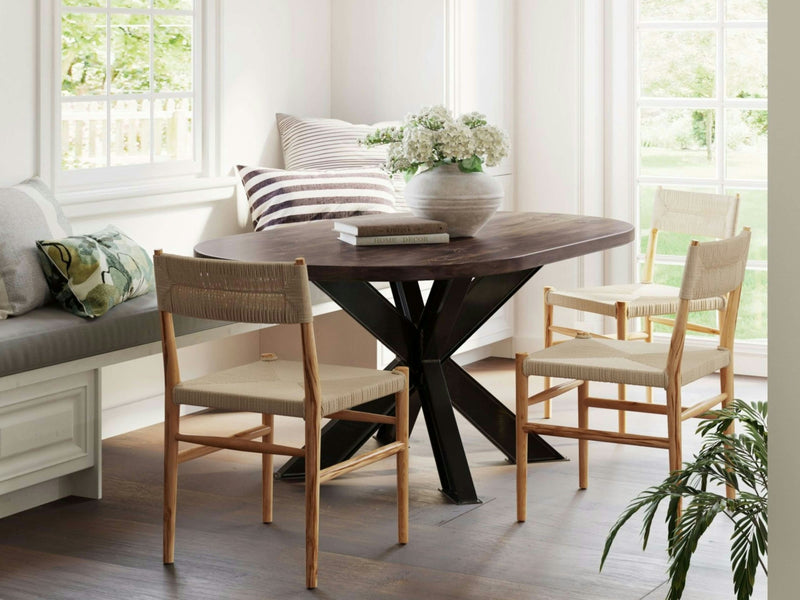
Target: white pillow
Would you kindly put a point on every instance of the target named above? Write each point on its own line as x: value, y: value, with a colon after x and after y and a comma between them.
x: 330, y: 144
x: 30, y: 212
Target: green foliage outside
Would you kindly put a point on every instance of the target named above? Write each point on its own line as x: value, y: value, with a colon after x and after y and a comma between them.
x: 83, y: 52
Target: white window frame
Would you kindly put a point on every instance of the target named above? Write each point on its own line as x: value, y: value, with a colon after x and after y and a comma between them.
x: 124, y: 181
x: 621, y: 33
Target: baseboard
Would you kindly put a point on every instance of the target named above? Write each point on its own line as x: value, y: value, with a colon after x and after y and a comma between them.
x: 135, y: 415
x: 83, y: 483
x: 526, y: 344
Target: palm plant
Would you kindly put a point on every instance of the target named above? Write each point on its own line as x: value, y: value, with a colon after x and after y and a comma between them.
x: 738, y: 460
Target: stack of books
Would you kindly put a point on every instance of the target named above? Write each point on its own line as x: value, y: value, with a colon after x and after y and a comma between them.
x: 388, y: 229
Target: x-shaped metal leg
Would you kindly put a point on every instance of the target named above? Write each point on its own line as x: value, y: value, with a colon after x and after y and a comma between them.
x: 424, y: 335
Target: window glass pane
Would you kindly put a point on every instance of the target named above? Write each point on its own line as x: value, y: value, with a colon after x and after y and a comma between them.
x: 677, y: 142
x: 172, y: 39
x: 83, y: 135
x: 174, y: 4
x: 130, y: 3
x: 752, y: 323
x: 672, y: 275
x: 668, y: 243
x: 753, y: 214
x: 130, y: 132
x: 752, y: 319
x: 83, y: 54
x: 746, y: 63
x: 746, y: 10
x: 677, y: 10
x: 746, y: 144
x: 173, y: 129
x: 130, y: 54
x: 677, y: 63
x: 101, y: 3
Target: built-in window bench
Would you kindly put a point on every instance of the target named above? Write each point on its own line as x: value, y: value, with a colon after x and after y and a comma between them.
x: 50, y: 398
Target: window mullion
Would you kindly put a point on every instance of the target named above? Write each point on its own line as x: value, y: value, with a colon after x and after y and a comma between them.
x: 152, y: 89
x: 108, y: 89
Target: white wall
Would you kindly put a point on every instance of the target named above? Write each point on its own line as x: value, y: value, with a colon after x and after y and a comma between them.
x: 480, y: 72
x: 387, y: 58
x: 784, y: 327
x: 546, y: 137
x: 18, y: 99
x: 276, y: 58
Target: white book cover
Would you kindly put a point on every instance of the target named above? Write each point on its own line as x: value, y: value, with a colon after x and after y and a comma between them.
x: 389, y: 240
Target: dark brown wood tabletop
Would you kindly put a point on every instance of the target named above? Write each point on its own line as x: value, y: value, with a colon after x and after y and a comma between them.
x: 510, y: 242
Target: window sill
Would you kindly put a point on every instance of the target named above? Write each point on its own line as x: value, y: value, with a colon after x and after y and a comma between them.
x: 150, y: 196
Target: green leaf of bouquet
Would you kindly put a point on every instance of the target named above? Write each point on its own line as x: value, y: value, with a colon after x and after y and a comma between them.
x: 410, y: 172
x: 472, y: 164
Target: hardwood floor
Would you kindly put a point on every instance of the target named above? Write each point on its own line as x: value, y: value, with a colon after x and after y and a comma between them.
x: 111, y: 549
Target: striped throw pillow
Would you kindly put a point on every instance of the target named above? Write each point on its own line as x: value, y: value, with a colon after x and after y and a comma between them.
x: 326, y: 144
x: 278, y: 197
x: 330, y: 144
x: 30, y: 213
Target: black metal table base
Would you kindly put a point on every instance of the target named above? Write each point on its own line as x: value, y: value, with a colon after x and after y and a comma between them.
x: 423, y: 336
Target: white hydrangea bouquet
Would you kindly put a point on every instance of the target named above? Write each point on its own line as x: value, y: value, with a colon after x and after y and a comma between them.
x: 433, y: 137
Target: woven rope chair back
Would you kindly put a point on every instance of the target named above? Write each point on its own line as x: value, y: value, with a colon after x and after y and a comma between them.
x: 695, y: 213
x: 225, y: 290
x: 715, y: 268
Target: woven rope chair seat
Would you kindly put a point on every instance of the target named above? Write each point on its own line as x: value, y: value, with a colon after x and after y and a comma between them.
x: 276, y: 387
x: 619, y: 361
x: 644, y: 299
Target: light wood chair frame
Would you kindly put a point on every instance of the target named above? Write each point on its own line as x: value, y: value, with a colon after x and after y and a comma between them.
x: 245, y: 441
x: 622, y: 320
x: 675, y: 412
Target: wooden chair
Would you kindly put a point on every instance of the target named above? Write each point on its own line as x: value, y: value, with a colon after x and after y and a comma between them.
x: 674, y: 211
x: 268, y: 293
x: 712, y: 269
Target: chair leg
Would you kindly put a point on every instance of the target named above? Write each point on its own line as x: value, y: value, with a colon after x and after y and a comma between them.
x: 548, y: 341
x: 674, y: 427
x: 171, y: 422
x: 622, y: 334
x: 674, y: 433
x: 312, y: 460
x: 522, y: 438
x: 401, y: 413
x: 266, y: 470
x: 583, y: 445
x: 726, y: 387
x: 648, y: 329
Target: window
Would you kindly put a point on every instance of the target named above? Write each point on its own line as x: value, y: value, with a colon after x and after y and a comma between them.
x: 700, y: 100
x: 127, y: 102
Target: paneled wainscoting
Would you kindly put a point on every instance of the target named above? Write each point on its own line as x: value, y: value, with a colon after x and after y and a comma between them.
x: 111, y: 549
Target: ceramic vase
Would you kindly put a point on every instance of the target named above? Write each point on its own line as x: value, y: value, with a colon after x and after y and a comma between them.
x: 465, y: 201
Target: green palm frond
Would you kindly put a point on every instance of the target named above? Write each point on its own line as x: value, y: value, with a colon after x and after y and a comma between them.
x: 738, y: 460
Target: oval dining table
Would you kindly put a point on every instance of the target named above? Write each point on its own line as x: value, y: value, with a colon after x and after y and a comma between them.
x: 471, y: 279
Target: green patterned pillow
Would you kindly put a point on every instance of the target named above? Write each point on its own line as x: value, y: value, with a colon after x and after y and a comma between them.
x: 89, y: 274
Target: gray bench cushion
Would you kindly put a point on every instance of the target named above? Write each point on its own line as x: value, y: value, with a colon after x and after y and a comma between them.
x: 50, y: 335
